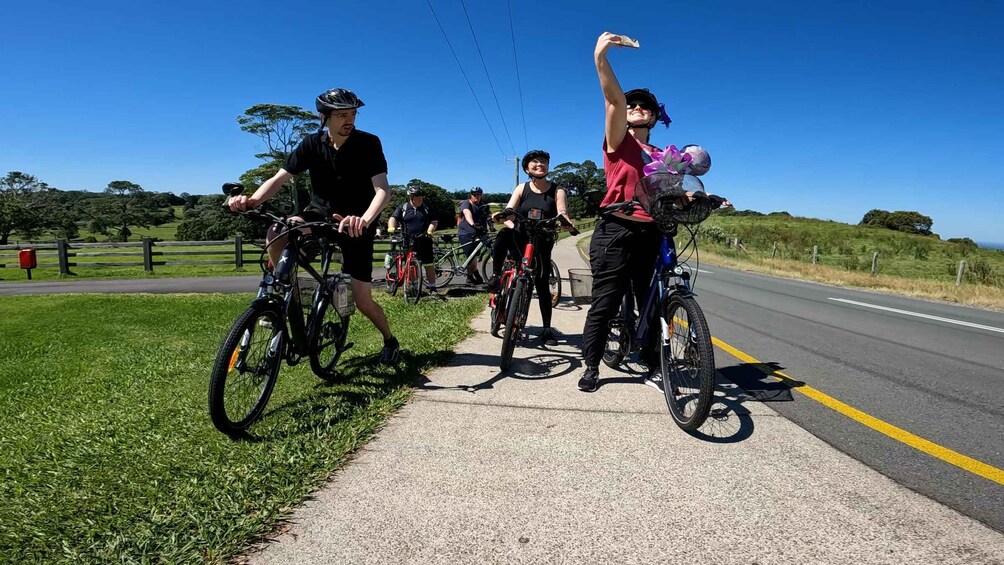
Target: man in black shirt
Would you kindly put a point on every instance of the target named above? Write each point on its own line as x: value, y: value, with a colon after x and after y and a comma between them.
x: 419, y: 225
x: 348, y: 177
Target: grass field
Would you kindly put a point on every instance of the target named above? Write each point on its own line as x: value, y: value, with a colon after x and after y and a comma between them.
x: 108, y: 452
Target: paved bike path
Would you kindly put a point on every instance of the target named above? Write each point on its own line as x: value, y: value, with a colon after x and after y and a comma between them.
x: 523, y: 468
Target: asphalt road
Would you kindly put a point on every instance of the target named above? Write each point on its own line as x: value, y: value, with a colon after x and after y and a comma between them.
x: 935, y: 370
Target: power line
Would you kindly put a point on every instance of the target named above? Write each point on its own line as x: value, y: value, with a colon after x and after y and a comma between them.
x: 519, y: 85
x: 485, y: 66
x: 476, y: 101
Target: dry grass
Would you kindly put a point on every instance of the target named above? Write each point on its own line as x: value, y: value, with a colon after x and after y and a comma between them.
x: 980, y: 296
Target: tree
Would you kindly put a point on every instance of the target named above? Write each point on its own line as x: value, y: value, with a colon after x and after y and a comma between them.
x: 26, y: 205
x: 281, y: 128
x: 586, y: 184
x: 440, y: 203
x: 875, y: 217
x: 208, y: 222
x: 126, y: 204
x: 910, y: 222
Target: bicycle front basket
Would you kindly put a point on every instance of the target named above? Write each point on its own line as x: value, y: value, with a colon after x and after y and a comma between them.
x: 673, y: 199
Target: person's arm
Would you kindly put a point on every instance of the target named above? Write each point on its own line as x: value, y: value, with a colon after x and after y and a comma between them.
x: 468, y: 215
x: 356, y: 225
x: 265, y: 191
x: 396, y: 216
x: 562, y: 200
x: 432, y: 227
x: 513, y: 201
x: 613, y: 96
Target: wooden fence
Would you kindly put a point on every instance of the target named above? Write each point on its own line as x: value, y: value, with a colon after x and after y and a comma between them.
x: 149, y: 254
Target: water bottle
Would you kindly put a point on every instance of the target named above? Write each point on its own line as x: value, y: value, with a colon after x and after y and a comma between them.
x: 387, y: 260
x: 345, y: 305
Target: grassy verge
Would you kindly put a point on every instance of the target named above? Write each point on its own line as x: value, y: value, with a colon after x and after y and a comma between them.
x: 108, y: 452
x: 982, y: 296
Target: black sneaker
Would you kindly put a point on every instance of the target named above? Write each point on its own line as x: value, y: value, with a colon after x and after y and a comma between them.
x: 391, y: 351
x: 475, y: 279
x: 493, y: 284
x: 654, y: 378
x: 547, y: 336
x: 589, y: 379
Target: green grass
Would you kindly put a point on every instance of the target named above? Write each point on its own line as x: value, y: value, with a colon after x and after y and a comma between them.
x: 108, y: 451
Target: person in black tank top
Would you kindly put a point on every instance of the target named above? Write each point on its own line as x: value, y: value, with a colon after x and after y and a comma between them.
x: 537, y: 193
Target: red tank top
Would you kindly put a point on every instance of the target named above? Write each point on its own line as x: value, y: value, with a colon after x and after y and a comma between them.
x: 624, y: 169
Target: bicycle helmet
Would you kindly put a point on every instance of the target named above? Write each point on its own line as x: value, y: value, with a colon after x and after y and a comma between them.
x: 337, y: 99
x: 700, y: 161
x: 415, y: 190
x: 534, y: 154
x: 477, y: 190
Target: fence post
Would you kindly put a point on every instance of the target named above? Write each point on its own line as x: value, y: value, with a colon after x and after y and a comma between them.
x: 735, y: 242
x: 238, y: 252
x: 64, y: 256
x: 773, y: 250
x: 962, y: 269
x: 815, y: 252
x: 874, y: 262
x: 148, y: 254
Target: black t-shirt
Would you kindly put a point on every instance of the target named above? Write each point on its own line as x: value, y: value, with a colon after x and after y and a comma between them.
x: 546, y: 201
x: 477, y: 212
x: 415, y: 220
x: 342, y: 179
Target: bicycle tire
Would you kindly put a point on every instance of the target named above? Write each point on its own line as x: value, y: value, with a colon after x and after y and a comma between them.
x: 618, y: 344
x: 327, y: 339
x: 393, y: 277
x: 413, y: 279
x: 497, y: 314
x: 445, y: 267
x: 511, y: 333
x: 554, y: 283
x: 688, y: 364
x: 487, y: 267
x: 231, y: 368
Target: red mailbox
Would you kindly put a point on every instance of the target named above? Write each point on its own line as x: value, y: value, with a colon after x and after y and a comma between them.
x: 27, y: 259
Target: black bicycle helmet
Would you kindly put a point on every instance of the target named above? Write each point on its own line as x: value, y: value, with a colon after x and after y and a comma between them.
x: 415, y: 190
x: 534, y: 154
x: 477, y: 190
x: 337, y: 99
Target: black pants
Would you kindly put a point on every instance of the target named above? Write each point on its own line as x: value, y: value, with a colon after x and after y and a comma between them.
x: 622, y: 256
x: 512, y: 243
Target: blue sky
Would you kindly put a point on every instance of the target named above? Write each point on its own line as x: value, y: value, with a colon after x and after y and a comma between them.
x: 823, y: 109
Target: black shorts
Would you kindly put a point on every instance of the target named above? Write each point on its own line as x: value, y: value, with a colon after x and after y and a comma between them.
x: 423, y: 249
x: 468, y: 242
x: 357, y: 252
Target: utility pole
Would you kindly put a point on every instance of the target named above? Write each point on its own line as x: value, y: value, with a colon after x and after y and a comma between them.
x: 515, y: 162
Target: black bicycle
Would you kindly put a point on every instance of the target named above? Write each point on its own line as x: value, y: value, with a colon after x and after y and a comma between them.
x: 288, y: 320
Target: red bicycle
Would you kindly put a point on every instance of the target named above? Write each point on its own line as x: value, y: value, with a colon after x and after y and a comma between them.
x: 510, y: 306
x: 405, y: 270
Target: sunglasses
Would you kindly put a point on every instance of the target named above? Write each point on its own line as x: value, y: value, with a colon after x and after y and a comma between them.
x: 633, y: 105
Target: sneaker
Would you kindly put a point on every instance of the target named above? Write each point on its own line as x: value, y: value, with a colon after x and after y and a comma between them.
x: 654, y: 379
x: 391, y: 351
x: 431, y: 287
x: 547, y: 336
x: 589, y: 379
x: 475, y: 279
x: 493, y: 284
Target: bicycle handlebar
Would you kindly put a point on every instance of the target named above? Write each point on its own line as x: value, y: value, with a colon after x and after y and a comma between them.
x: 541, y: 224
x: 629, y: 206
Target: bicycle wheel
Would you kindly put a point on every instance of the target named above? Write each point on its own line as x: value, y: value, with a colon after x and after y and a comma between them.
x: 497, y: 315
x: 246, y: 369
x: 688, y: 362
x: 445, y: 266
x: 486, y: 267
x: 413, y: 279
x: 327, y: 338
x: 393, y: 277
x: 554, y: 282
x: 514, y: 309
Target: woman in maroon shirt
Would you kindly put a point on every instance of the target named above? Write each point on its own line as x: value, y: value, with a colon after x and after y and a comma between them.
x: 624, y: 248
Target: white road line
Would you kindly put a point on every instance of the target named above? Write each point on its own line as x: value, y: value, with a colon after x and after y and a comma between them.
x: 703, y: 271
x: 919, y: 315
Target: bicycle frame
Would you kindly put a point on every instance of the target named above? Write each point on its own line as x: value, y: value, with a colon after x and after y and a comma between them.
x: 659, y: 290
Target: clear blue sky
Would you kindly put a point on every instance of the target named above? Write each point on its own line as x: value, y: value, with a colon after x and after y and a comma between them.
x: 821, y: 109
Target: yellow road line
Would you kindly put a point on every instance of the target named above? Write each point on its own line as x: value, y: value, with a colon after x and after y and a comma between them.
x: 947, y: 455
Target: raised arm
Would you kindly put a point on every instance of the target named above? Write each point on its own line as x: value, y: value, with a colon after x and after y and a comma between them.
x: 613, y: 95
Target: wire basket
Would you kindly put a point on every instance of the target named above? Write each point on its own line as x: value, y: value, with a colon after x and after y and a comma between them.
x: 581, y: 283
x: 673, y: 199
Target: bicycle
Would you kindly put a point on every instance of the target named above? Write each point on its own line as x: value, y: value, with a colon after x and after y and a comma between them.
x: 276, y: 327
x: 405, y: 270
x: 511, y: 305
x: 687, y: 362
x: 446, y: 261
